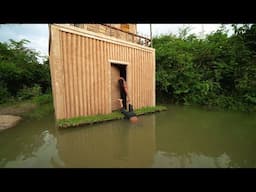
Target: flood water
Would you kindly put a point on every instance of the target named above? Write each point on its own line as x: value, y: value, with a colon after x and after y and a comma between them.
x: 180, y: 137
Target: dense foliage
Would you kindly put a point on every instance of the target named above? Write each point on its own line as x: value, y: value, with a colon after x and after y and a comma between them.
x: 22, y: 76
x: 215, y: 71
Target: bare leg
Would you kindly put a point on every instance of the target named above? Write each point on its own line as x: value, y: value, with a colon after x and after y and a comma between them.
x: 120, y: 102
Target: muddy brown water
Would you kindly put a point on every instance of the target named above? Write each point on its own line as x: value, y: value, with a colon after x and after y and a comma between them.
x: 182, y: 137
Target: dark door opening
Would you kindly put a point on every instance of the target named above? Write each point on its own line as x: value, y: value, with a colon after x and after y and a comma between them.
x: 122, y: 69
x: 117, y: 71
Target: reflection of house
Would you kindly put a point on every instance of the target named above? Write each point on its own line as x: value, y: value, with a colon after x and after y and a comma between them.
x: 86, y: 60
x: 113, y: 144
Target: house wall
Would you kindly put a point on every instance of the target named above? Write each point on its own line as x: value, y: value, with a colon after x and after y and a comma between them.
x: 80, y: 63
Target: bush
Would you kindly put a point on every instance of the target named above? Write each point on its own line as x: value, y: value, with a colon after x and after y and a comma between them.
x: 21, y: 70
x: 29, y: 92
x: 43, y: 99
x: 4, y: 94
x: 218, y: 71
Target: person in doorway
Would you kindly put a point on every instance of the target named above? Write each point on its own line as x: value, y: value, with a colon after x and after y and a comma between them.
x: 131, y: 115
x: 124, y: 91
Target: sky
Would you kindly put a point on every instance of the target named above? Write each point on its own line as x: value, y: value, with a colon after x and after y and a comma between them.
x: 38, y: 34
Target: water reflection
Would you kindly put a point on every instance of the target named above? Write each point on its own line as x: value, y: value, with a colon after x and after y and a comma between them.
x: 29, y: 145
x: 190, y: 160
x: 192, y: 137
x: 180, y: 137
x: 112, y: 144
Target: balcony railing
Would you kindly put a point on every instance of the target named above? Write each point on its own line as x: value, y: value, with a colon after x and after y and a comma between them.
x: 116, y: 32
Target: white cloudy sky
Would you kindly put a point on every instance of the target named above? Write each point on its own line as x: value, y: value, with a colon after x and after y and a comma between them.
x: 37, y: 34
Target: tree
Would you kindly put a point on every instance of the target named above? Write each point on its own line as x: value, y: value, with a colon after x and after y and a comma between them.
x: 19, y: 68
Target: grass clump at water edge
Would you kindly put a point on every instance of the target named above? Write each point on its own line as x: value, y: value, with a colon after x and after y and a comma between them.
x: 76, y: 121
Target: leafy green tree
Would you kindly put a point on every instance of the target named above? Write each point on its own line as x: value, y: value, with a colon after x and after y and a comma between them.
x: 20, y: 68
x: 217, y: 71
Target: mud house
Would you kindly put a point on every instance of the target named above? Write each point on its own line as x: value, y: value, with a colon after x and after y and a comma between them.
x: 86, y: 61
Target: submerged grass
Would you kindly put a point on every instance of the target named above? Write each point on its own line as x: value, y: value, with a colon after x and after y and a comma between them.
x: 63, y: 123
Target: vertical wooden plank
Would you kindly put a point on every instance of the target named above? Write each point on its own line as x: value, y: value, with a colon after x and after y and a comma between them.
x: 143, y: 84
x: 154, y: 88
x: 135, y: 78
x: 106, y: 69
x: 131, y: 75
x: 92, y: 101
x: 68, y: 74
x: 151, y: 78
x: 110, y: 48
x: 126, y: 54
x: 52, y: 66
x: 99, y: 75
x: 139, y: 76
x: 84, y: 88
x: 71, y: 80
x: 121, y: 53
x: 80, y: 82
x: 117, y: 56
x: 57, y: 61
x: 113, y: 51
x: 63, y: 69
x: 145, y: 79
x: 141, y: 65
x: 148, y: 79
x: 117, y: 52
x: 104, y: 95
x: 88, y: 74
x: 95, y: 75
x: 102, y: 77
x: 78, y: 65
x: 145, y: 66
x: 129, y: 68
x: 81, y: 77
x: 66, y: 77
x: 94, y: 98
x: 107, y: 77
x: 143, y: 70
x: 75, y: 74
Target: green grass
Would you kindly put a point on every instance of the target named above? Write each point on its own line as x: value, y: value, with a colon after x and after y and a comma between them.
x: 63, y: 123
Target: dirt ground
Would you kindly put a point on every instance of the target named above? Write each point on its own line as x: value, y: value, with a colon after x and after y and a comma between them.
x: 10, y: 115
x: 8, y: 121
x: 17, y: 109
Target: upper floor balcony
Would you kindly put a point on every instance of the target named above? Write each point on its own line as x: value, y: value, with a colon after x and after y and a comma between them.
x: 125, y: 32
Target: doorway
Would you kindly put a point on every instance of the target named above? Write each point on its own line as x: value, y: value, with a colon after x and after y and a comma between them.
x: 117, y: 70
